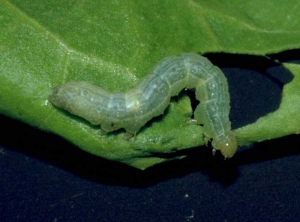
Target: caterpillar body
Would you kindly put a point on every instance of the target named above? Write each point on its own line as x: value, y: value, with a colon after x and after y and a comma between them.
x: 133, y: 109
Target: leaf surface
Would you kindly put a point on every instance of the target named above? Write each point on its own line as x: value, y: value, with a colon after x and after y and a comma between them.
x: 113, y: 44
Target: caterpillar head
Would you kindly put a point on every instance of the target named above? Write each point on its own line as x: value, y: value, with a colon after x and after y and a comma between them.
x: 226, y: 143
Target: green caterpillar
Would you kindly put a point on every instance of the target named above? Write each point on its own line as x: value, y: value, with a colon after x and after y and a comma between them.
x: 133, y: 109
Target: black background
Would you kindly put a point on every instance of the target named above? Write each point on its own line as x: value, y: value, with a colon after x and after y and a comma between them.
x: 44, y: 178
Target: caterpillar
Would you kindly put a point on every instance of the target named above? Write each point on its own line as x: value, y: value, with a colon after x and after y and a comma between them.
x: 131, y: 110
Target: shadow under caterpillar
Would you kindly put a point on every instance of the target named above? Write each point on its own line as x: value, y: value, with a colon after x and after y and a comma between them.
x: 133, y: 109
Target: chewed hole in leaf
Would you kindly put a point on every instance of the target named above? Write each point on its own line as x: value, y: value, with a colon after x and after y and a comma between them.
x: 255, y: 85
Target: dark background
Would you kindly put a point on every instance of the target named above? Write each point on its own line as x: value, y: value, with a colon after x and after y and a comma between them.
x: 44, y: 178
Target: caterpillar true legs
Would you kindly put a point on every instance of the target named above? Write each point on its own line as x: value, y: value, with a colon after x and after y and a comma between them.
x: 133, y: 109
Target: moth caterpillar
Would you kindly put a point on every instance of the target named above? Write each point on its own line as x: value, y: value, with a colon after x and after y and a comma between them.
x: 133, y: 109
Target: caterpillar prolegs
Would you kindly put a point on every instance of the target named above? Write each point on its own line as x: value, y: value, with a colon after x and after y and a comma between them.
x: 133, y: 109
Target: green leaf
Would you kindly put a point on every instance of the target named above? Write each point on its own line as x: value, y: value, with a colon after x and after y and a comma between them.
x: 278, y: 123
x: 113, y: 44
